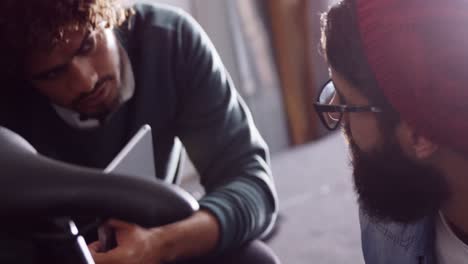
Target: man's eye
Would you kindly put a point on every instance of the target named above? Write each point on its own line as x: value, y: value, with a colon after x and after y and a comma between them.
x: 88, y: 46
x: 51, y: 75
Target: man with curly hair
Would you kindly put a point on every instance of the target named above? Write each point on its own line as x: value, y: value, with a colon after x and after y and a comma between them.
x: 79, y: 77
x: 399, y: 88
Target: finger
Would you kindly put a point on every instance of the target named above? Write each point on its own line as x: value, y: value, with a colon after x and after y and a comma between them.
x: 109, y: 257
x: 95, y: 246
x: 119, y: 224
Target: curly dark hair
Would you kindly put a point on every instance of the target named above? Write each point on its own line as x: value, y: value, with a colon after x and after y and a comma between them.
x: 28, y: 25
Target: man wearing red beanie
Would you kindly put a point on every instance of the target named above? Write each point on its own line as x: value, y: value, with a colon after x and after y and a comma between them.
x: 399, y: 90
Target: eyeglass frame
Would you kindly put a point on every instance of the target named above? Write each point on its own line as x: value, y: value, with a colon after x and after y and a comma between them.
x: 321, y: 108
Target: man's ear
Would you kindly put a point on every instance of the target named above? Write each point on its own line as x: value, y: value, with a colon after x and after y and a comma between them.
x: 415, y: 144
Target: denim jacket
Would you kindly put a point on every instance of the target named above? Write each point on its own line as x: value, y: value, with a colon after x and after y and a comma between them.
x: 393, y: 243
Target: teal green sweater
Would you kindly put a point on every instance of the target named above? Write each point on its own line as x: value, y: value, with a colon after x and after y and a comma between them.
x: 183, y: 91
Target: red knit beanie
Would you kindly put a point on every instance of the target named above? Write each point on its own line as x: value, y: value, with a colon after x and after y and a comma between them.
x: 418, y: 52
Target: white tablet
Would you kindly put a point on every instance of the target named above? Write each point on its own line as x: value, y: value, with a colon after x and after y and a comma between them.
x: 137, y: 157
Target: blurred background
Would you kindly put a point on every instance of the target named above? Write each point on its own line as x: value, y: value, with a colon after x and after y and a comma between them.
x: 271, y: 49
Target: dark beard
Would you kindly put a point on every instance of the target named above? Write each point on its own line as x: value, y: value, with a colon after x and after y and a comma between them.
x: 392, y: 187
x: 105, y: 113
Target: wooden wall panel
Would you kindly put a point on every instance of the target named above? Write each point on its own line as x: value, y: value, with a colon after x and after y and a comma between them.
x: 291, y: 30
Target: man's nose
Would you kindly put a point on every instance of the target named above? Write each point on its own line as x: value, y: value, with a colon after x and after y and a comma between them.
x: 84, y: 76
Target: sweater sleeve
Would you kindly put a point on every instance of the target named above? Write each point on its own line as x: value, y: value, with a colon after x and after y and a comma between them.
x: 221, y: 139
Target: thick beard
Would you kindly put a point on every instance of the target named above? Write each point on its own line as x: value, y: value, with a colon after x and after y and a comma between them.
x: 392, y: 187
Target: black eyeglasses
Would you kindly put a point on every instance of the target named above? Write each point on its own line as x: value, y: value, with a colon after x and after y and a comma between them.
x: 330, y: 106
